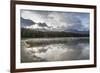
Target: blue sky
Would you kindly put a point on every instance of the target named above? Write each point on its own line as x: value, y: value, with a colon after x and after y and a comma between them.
x: 58, y: 21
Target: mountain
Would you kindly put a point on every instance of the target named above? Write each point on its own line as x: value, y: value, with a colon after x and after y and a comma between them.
x: 42, y: 26
x: 26, y: 22
x: 76, y: 31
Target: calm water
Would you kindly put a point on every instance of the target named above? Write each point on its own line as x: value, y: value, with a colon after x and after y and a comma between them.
x: 55, y: 49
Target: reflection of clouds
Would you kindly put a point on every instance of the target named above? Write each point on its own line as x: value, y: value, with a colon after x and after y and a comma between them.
x: 55, y: 52
x: 85, y: 52
x: 58, y: 52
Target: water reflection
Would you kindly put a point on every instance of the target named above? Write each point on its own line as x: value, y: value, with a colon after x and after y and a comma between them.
x: 75, y: 50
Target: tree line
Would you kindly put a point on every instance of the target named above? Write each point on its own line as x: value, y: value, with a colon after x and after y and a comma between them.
x: 29, y: 33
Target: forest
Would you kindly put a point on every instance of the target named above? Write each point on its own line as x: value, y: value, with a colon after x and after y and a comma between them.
x: 31, y: 33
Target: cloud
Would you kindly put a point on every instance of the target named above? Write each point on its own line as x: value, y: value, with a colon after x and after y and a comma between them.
x: 32, y: 15
x: 65, y: 21
x: 58, y: 21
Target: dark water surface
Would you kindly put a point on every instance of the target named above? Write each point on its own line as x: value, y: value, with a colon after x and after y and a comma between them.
x: 54, y: 49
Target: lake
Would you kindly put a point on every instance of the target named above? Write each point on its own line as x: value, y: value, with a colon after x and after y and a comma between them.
x: 54, y: 49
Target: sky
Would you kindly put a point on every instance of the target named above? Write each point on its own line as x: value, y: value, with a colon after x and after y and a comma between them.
x: 57, y: 21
